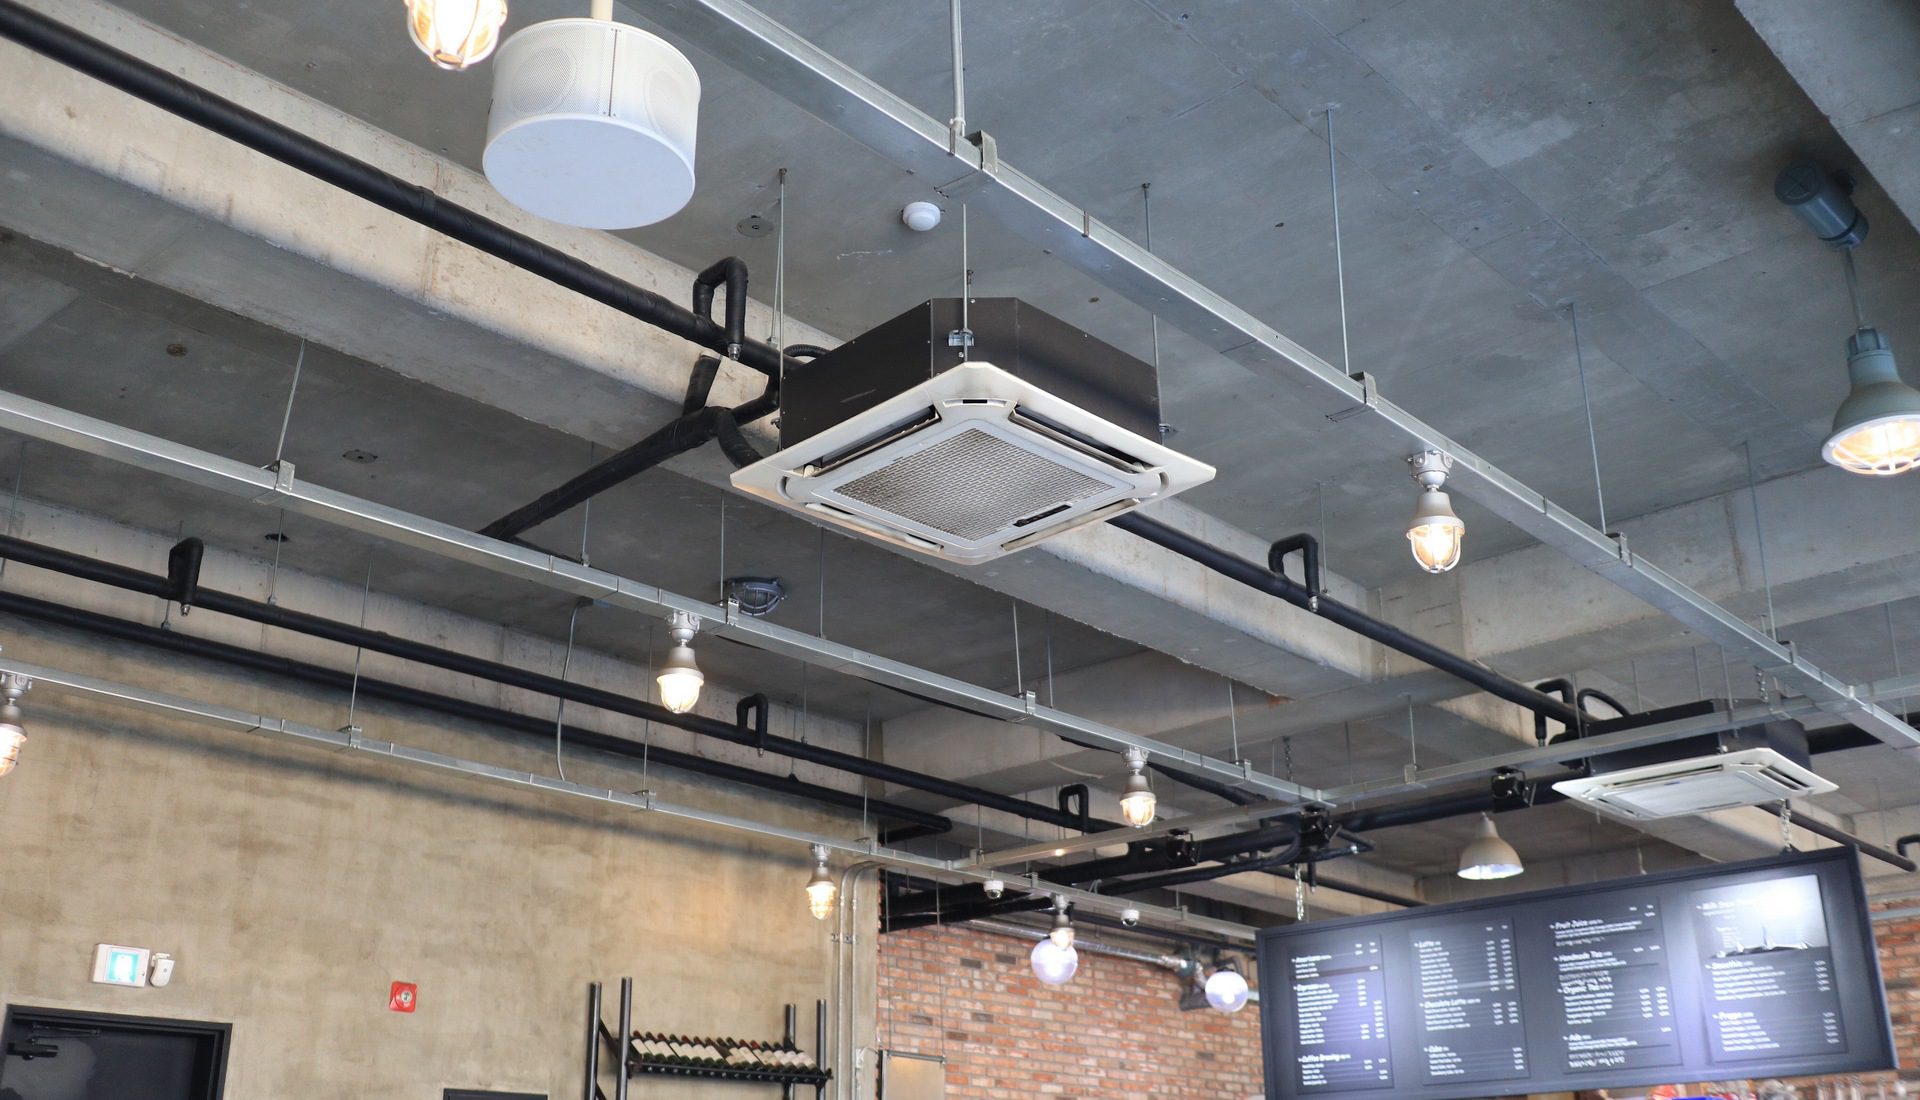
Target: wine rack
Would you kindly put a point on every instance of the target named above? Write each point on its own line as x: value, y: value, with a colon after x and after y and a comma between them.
x: 632, y: 1062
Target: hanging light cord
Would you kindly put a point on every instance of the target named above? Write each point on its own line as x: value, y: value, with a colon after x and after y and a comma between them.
x: 1853, y: 287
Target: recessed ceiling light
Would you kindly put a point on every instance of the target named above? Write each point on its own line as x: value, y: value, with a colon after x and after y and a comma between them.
x: 360, y: 456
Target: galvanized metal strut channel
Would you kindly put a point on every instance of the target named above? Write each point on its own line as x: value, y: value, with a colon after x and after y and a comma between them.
x: 279, y: 488
x: 734, y: 32
x: 241, y: 721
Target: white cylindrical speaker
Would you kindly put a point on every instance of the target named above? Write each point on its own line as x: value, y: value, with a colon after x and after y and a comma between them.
x: 593, y: 124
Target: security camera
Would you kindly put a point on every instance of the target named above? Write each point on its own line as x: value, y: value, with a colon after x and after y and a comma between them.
x: 1129, y: 917
x: 995, y: 887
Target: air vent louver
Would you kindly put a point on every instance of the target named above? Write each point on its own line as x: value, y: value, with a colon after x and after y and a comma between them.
x: 894, y: 436
x: 1696, y: 785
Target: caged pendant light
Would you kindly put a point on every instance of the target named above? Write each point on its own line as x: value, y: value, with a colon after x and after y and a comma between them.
x: 455, y: 34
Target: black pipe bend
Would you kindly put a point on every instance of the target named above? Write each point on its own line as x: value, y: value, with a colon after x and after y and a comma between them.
x: 732, y: 272
x: 733, y: 442
x: 1309, y: 549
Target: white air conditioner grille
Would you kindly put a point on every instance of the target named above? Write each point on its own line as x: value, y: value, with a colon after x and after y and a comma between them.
x: 1696, y: 786
x: 971, y: 485
x: 969, y: 465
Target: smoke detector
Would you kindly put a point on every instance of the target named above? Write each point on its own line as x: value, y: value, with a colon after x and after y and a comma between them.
x: 970, y: 434
x: 593, y: 124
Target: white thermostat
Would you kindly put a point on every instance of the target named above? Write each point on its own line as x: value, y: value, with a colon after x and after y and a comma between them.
x: 116, y: 965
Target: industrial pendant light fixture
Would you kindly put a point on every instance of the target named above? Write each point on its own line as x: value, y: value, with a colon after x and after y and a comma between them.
x: 1054, y: 960
x: 1138, y: 804
x: 1487, y: 856
x: 680, y: 677
x: 593, y: 123
x: 456, y: 33
x: 13, y: 732
x: 1227, y: 988
x: 821, y: 892
x: 1876, y: 431
x: 1435, y: 532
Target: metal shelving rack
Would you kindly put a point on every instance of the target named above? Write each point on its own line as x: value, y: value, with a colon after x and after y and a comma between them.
x: 632, y: 1064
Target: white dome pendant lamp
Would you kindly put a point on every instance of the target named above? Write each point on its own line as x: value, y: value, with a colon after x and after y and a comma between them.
x: 593, y: 123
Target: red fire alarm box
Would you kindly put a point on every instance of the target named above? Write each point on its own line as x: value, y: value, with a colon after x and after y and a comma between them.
x: 403, y: 996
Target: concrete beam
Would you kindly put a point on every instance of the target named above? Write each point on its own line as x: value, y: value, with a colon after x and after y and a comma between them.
x: 1855, y: 61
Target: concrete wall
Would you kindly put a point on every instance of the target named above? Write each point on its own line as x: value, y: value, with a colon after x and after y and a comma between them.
x: 294, y: 884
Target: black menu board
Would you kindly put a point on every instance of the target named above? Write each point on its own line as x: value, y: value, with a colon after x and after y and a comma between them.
x: 1762, y: 969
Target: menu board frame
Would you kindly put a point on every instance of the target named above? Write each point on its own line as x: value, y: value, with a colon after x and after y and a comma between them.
x: 1857, y: 995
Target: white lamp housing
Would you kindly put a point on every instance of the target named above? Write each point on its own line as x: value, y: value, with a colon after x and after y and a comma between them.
x: 821, y: 891
x: 1877, y: 429
x: 593, y: 124
x: 1139, y: 803
x: 680, y: 677
x: 1487, y: 856
x: 1435, y: 531
x: 13, y: 730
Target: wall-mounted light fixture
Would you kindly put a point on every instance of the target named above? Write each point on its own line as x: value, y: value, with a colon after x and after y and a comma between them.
x: 13, y: 731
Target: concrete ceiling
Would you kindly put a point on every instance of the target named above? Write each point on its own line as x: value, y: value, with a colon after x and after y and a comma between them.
x: 1497, y: 162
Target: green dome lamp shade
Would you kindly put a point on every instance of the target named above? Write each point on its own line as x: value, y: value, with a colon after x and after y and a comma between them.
x: 1487, y: 856
x: 1877, y: 430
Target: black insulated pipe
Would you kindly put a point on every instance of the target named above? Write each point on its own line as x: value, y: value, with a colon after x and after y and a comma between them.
x: 222, y: 116
x: 731, y: 271
x: 1841, y: 836
x: 132, y: 580
x: 173, y: 641
x: 1266, y: 580
x: 183, y: 571
x: 1309, y: 549
x: 1562, y: 688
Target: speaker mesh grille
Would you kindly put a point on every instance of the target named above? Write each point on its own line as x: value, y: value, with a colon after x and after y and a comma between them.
x: 971, y: 485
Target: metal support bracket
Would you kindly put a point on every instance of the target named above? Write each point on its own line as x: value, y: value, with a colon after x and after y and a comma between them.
x: 981, y: 154
x: 283, y: 483
x: 1369, y: 399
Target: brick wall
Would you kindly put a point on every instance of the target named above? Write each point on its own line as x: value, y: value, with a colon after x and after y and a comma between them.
x: 1115, y: 1032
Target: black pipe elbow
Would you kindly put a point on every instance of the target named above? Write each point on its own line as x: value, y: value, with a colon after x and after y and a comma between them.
x: 1562, y: 687
x: 1072, y: 794
x: 803, y: 351
x: 756, y: 705
x: 183, y: 571
x: 732, y: 272
x: 1580, y: 702
x: 733, y: 442
x: 700, y: 384
x: 1309, y: 549
x: 1901, y: 844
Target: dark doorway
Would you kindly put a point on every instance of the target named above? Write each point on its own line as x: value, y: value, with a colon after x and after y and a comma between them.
x: 52, y: 1054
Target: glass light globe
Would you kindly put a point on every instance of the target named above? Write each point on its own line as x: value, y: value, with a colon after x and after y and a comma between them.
x: 1227, y: 990
x: 1435, y: 532
x: 1138, y: 805
x: 456, y: 33
x: 1054, y: 964
x: 680, y: 680
x: 821, y: 894
x: 12, y: 737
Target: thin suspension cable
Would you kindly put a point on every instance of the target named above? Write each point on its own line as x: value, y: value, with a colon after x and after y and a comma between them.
x: 780, y: 273
x: 353, y: 693
x: 1893, y: 646
x: 1019, y: 678
x: 966, y: 291
x: 1853, y: 288
x: 586, y: 513
x: 1760, y: 541
x: 1159, y: 391
x: 1339, y: 253
x: 1233, y: 721
x: 1593, y: 438
x: 560, y: 712
x: 286, y: 417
